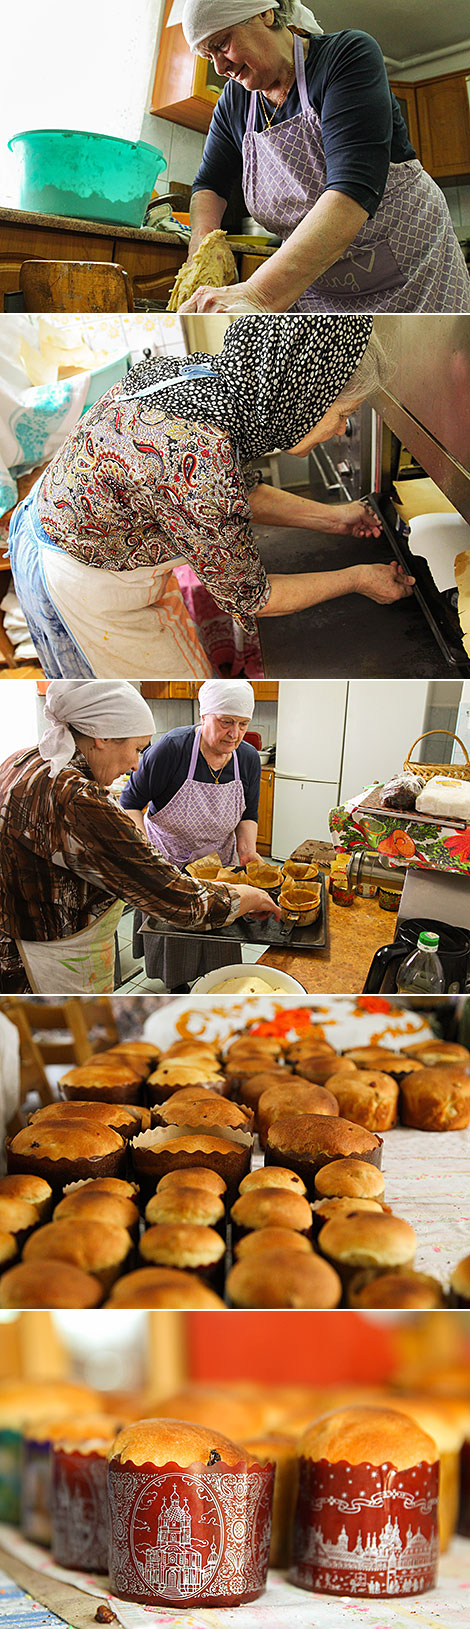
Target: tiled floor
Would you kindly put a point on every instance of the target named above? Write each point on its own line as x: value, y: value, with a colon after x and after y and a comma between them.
x: 133, y: 976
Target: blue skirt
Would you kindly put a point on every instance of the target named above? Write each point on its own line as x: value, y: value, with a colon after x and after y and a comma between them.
x: 56, y: 649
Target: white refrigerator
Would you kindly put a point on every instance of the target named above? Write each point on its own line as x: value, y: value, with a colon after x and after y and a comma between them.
x: 334, y: 738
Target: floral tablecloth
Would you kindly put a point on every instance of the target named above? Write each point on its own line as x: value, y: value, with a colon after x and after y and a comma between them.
x: 401, y: 839
x: 446, y: 1607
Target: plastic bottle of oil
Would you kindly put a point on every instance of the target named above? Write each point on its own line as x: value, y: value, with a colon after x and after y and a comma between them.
x: 422, y: 973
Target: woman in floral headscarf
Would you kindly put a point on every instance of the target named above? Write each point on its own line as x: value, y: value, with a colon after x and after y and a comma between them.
x: 153, y: 476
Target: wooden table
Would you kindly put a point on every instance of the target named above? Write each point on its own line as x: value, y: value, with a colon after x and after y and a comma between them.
x: 356, y: 932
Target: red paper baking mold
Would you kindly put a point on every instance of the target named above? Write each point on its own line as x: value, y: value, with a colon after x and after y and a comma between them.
x: 366, y: 1529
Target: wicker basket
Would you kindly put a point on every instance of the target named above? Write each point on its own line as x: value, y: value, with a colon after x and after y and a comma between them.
x: 457, y: 772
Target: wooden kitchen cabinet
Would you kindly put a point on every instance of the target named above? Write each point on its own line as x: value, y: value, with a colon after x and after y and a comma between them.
x: 186, y: 88
x: 406, y: 98
x: 265, y: 812
x: 444, y: 125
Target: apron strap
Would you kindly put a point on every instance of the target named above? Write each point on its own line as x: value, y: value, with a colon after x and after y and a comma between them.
x: 198, y: 371
x: 299, y: 65
x: 194, y: 755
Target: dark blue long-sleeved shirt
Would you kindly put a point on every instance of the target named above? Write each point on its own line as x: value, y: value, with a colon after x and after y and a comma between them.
x: 361, y: 124
x: 164, y: 767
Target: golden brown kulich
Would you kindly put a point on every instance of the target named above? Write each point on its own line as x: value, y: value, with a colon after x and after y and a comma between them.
x: 67, y: 1151
x: 215, y: 1405
x: 308, y: 1141
x: 126, y: 1118
x: 297, y: 1097
x: 15, y: 1216
x: 324, y: 1210
x: 369, y: 1098
x: 212, y: 1112
x: 384, y: 1058
x: 164, y: 1287
x: 349, y: 1178
x: 194, y: 1205
x: 272, y: 1176
x: 435, y: 1052
x: 193, y: 1248
x: 31, y: 1189
x: 160, y: 1441
x: 228, y: 1157
x: 364, y: 1240
x: 436, y: 1099
x: 49, y: 1284
x: 376, y: 1436
x: 402, y: 1288
x: 250, y: 1086
x: 196, y: 1176
x: 90, y: 1206
x: 270, y: 1238
x: 97, y: 1247
x: 271, y: 1207
x: 112, y: 1080
x: 283, y: 1279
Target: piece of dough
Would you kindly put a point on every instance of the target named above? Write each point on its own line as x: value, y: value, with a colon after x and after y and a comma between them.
x: 462, y: 578
x: 213, y: 263
x: 247, y: 986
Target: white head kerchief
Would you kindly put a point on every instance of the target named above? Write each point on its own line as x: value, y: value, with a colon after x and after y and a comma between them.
x: 110, y: 709
x: 201, y: 18
x: 227, y: 698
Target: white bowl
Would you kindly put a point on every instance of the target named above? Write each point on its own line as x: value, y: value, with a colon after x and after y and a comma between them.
x: 272, y: 976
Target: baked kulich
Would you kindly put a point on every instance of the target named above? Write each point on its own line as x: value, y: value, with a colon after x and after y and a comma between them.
x: 16, y: 1217
x: 430, y: 1054
x: 319, y: 1068
x: 196, y: 1176
x: 38, y: 1443
x: 161, y: 1150
x: 31, y: 1190
x: 271, y: 1238
x: 283, y: 1278
x: 460, y: 1283
x: 126, y: 1118
x: 366, y: 1516
x: 204, y: 1111
x: 115, y: 1185
x: 195, y: 1206
x: 349, y: 1179
x: 196, y: 1478
x: 404, y: 1288
x: 164, y: 1287
x: 278, y: 1449
x: 436, y: 1099
x: 325, y: 1210
x: 97, y: 1247
x: 241, y: 1408
x: 190, y: 1046
x: 248, y: 1088
x: 188, y: 1247
x: 384, y: 1058
x: 308, y: 1045
x: 173, y: 1074
x: 49, y: 1284
x: 9, y: 1250
x: 79, y: 1476
x: 271, y: 1207
x: 272, y: 1176
x: 67, y: 1151
x: 83, y: 1203
x: 110, y: 1081
x: 22, y: 1401
x: 307, y: 1141
x: 365, y: 1239
x: 296, y: 1097
x: 248, y: 1045
x: 369, y: 1098
x: 142, y: 1056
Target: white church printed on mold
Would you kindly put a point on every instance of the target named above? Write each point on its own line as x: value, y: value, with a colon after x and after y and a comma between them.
x: 175, y: 1561
x: 402, y: 1566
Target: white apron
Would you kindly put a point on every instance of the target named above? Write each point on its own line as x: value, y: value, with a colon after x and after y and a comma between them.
x: 133, y: 623
x: 80, y: 965
x: 200, y: 819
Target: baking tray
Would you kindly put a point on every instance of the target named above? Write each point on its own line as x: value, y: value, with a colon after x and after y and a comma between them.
x: 439, y: 610
x: 256, y: 930
x: 370, y: 803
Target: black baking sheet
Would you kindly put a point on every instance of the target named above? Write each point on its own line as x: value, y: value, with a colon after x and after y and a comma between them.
x: 256, y: 930
x: 440, y: 613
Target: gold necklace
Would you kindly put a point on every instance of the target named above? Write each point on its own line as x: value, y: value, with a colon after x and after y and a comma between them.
x: 268, y: 119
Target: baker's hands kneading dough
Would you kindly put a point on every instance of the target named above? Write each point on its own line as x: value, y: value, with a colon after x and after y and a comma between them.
x: 253, y: 902
x: 211, y: 265
x: 240, y: 300
x: 381, y: 583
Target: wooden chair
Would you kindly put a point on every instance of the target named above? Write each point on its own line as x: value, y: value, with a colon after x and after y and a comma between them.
x: 75, y: 285
x: 56, y: 1032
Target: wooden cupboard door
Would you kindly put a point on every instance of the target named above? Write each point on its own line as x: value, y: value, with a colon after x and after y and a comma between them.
x: 265, y: 689
x: 406, y: 98
x: 265, y: 812
x: 444, y: 125
x: 186, y: 88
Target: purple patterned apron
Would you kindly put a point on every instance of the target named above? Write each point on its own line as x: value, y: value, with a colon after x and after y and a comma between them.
x: 406, y: 258
x: 199, y: 819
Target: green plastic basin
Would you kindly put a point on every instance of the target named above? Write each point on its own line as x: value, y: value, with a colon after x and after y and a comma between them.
x: 80, y: 174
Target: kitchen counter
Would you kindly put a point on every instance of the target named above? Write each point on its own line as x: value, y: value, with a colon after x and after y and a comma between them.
x: 356, y: 932
x: 351, y: 637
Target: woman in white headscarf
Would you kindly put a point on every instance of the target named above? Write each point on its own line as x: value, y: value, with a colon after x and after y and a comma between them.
x: 309, y: 126
x: 196, y: 792
x: 70, y: 857
x: 154, y: 476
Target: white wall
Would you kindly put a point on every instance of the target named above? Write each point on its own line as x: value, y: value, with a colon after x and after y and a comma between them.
x: 18, y: 716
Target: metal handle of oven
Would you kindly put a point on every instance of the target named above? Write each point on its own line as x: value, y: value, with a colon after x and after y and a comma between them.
x: 326, y: 468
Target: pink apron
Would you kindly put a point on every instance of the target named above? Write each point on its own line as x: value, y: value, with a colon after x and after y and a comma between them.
x: 199, y: 819
x: 406, y: 258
